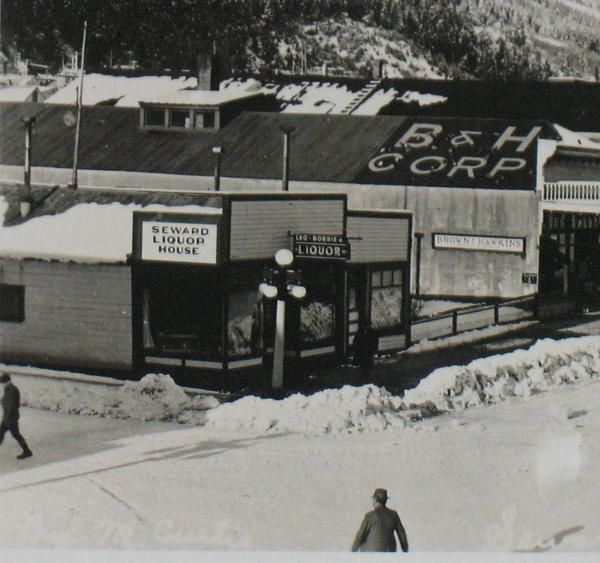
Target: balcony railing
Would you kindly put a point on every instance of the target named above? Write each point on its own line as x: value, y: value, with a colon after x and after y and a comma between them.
x: 572, y: 191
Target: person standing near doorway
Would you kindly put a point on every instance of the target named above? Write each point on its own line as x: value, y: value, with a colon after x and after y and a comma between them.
x: 11, y: 402
x: 366, y: 343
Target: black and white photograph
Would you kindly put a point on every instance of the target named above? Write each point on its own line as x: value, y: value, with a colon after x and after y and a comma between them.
x: 299, y: 280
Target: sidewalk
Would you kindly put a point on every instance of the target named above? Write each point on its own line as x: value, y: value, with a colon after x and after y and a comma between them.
x: 406, y: 369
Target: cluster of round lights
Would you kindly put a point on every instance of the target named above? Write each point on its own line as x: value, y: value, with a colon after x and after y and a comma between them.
x: 284, y: 258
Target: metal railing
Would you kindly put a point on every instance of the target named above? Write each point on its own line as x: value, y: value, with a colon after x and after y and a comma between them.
x: 474, y: 317
x: 571, y: 191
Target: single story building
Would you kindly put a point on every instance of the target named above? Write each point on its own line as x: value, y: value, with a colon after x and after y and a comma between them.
x: 136, y: 280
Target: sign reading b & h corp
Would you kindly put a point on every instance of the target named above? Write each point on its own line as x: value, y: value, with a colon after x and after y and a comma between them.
x: 463, y: 152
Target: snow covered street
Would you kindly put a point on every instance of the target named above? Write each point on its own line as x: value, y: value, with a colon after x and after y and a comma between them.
x: 520, y: 475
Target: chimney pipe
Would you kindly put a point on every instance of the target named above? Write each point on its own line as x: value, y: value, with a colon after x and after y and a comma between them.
x: 218, y: 151
x: 26, y: 196
x: 287, y: 131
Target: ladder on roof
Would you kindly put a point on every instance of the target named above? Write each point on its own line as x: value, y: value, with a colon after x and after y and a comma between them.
x: 361, y: 96
x: 295, y: 99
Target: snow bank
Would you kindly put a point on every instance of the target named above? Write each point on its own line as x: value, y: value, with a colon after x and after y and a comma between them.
x: 154, y: 397
x: 521, y: 373
x: 340, y: 410
x: 484, y: 381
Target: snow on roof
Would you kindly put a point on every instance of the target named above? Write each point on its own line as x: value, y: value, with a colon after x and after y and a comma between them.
x: 229, y: 92
x: 98, y: 88
x: 17, y: 93
x: 315, y: 97
x: 574, y: 139
x: 422, y: 99
x: 85, y: 233
x: 373, y: 104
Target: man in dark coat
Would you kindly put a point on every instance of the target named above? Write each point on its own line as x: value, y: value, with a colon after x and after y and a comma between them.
x: 366, y: 343
x: 376, y: 533
x: 11, y: 401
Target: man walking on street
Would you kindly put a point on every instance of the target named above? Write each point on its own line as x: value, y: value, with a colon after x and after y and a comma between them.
x: 376, y: 533
x: 11, y: 401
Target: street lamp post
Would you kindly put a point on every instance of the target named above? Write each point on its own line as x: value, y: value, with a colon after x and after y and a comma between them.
x: 282, y: 283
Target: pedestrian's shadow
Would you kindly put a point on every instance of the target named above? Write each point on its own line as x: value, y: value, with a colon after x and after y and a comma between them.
x: 190, y: 452
x: 552, y: 541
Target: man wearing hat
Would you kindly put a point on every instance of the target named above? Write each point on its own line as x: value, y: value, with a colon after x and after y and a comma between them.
x: 376, y: 533
x: 11, y: 401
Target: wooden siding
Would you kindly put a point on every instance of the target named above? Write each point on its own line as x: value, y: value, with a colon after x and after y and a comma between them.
x: 392, y: 342
x: 572, y: 169
x: 75, y: 315
x: 379, y: 239
x: 261, y: 227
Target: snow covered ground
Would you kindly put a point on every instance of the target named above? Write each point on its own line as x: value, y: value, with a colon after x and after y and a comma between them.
x: 510, y: 465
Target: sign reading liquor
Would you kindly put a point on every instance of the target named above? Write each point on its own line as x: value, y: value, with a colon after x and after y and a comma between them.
x: 174, y: 241
x: 457, y: 152
x: 324, y: 247
x: 479, y: 242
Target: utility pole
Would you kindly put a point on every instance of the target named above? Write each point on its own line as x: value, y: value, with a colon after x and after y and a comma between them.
x: 79, y: 101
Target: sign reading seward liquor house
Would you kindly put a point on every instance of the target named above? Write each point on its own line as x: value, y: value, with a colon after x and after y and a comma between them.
x: 170, y: 241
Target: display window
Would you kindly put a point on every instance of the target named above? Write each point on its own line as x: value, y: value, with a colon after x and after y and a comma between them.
x: 386, y: 298
x: 245, y: 314
x: 317, y: 312
x: 183, y: 312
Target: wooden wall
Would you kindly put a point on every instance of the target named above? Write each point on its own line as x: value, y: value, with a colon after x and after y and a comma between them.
x: 458, y: 273
x: 261, y: 227
x: 379, y: 239
x: 75, y: 314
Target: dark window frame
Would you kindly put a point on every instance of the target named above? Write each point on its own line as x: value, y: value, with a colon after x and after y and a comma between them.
x: 154, y: 111
x: 12, y: 303
x: 186, y: 114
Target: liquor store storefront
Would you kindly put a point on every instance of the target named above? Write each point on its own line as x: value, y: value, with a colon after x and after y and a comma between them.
x: 196, y: 277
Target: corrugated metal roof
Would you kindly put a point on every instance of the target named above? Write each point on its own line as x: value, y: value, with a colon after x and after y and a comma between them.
x: 323, y: 148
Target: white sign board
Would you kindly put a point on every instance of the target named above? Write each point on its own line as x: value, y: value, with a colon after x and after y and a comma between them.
x: 479, y: 242
x: 169, y: 241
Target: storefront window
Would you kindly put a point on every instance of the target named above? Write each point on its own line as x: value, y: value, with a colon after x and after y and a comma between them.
x: 386, y: 298
x: 317, y: 321
x: 246, y: 315
x: 183, y: 312
x: 244, y: 327
x: 317, y: 311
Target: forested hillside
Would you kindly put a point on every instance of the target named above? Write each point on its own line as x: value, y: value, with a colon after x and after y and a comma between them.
x: 494, y: 39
